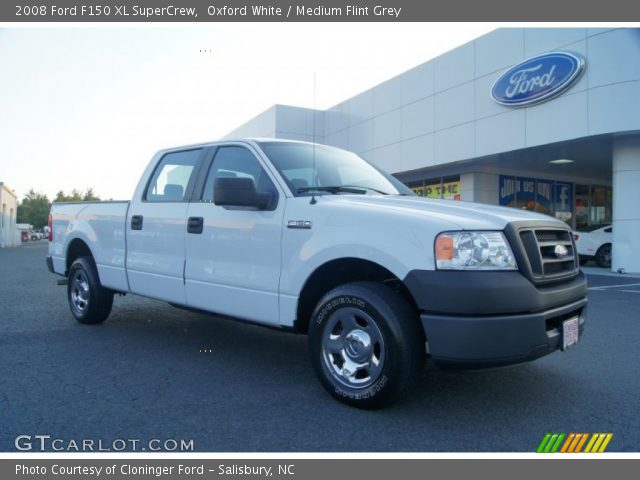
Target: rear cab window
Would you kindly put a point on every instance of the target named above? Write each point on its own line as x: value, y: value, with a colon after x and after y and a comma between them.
x: 172, y: 176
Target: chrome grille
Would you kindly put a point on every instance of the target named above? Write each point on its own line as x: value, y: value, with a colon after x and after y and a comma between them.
x: 541, y: 247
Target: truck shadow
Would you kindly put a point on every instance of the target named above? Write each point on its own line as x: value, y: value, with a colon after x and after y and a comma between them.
x: 249, y: 353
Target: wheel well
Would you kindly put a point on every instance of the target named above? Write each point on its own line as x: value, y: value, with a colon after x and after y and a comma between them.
x: 77, y: 248
x: 338, y: 272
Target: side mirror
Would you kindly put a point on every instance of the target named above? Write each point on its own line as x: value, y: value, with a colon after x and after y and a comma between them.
x: 239, y: 192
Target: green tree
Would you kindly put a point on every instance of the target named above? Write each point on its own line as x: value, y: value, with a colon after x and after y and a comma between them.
x: 77, y: 196
x: 90, y: 196
x: 34, y: 209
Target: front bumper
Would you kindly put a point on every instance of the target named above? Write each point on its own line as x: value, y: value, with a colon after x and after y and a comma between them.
x: 489, y: 319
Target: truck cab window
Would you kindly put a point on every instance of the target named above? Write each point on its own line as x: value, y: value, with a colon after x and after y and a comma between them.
x: 235, y: 161
x: 171, y: 177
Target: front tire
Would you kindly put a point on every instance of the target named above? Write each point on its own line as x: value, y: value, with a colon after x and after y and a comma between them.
x: 366, y: 344
x: 89, y: 301
x: 603, y: 256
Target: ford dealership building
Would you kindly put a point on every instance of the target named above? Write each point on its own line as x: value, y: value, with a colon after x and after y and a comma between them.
x: 538, y: 119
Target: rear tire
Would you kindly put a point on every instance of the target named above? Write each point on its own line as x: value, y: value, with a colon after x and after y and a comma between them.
x: 366, y: 344
x: 89, y: 301
x: 603, y: 256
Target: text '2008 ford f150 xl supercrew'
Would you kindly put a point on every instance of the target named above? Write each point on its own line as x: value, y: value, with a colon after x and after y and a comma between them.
x: 314, y: 239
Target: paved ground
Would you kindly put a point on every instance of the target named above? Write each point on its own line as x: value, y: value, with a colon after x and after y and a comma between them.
x: 142, y: 375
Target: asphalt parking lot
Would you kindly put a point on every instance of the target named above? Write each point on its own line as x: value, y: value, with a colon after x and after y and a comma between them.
x: 154, y: 372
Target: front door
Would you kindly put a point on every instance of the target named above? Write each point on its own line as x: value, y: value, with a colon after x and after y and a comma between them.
x: 233, y: 259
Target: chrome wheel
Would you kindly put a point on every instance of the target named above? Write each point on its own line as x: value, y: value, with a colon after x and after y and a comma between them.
x: 80, y: 292
x: 353, y: 348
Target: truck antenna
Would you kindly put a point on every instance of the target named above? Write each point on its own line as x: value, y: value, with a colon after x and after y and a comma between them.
x: 313, y: 148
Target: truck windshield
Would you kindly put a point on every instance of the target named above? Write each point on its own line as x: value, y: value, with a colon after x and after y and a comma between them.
x: 336, y: 171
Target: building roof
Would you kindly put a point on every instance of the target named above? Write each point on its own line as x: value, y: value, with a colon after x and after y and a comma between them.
x: 6, y: 188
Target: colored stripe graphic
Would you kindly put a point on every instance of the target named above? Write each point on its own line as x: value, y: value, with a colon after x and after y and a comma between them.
x: 543, y: 443
x: 599, y: 441
x: 573, y: 442
x: 582, y: 442
x: 550, y: 443
x: 568, y: 442
x: 607, y: 439
x: 556, y: 445
x: 576, y: 438
x: 591, y: 442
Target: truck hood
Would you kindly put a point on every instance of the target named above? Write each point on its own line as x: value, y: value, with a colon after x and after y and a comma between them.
x: 451, y: 214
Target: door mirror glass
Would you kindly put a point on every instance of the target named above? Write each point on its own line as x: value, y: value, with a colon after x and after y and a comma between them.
x: 239, y: 192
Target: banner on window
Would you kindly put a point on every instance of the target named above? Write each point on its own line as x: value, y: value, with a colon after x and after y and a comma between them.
x: 545, y: 196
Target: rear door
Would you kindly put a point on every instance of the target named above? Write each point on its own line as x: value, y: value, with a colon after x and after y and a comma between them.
x: 233, y: 259
x: 156, y: 226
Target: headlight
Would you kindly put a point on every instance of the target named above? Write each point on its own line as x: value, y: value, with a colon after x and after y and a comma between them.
x: 473, y: 251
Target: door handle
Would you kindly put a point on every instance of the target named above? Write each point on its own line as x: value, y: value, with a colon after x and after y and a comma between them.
x: 195, y: 224
x: 136, y: 222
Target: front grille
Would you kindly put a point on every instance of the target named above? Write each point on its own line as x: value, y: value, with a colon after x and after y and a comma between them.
x: 545, y: 259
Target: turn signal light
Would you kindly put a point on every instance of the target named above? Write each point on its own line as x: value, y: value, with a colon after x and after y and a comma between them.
x: 444, y: 248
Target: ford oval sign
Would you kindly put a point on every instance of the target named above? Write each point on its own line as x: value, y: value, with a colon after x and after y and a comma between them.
x: 537, y: 79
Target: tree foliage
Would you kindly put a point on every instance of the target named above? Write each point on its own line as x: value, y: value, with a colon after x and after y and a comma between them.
x: 35, y: 206
x: 34, y: 209
x: 77, y: 196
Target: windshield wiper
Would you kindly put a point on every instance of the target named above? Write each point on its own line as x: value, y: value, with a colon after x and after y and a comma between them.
x: 335, y: 189
x: 367, y: 188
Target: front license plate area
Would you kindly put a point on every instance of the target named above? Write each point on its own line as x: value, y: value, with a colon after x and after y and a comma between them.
x: 570, y: 332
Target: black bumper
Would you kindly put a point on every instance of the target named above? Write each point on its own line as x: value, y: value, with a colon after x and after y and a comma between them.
x: 50, y: 264
x: 488, y: 319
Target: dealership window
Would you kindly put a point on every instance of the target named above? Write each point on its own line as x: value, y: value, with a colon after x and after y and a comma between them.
x: 439, y: 187
x: 593, y: 205
x: 537, y: 194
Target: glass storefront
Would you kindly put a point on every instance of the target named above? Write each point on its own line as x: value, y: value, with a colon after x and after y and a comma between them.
x: 441, y: 187
x: 578, y: 205
x: 536, y: 194
x: 592, y: 205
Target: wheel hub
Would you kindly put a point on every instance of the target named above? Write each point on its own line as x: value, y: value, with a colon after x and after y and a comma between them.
x: 80, y: 292
x: 357, y: 345
x: 353, y: 348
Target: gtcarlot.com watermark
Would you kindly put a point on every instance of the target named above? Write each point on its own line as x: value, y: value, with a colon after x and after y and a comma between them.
x: 49, y: 443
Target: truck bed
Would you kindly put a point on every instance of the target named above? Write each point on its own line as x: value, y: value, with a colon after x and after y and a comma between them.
x: 101, y: 225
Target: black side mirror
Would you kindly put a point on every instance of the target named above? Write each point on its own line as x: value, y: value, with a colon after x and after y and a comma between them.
x: 239, y: 192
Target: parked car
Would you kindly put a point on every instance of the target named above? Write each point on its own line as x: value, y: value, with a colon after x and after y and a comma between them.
x: 594, y: 243
x: 315, y: 240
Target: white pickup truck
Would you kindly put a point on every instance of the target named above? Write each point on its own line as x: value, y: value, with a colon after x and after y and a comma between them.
x: 315, y: 240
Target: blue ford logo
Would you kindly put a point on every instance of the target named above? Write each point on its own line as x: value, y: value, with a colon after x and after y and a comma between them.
x: 537, y: 79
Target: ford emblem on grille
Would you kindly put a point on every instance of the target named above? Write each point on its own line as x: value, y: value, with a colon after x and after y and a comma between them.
x: 561, y: 251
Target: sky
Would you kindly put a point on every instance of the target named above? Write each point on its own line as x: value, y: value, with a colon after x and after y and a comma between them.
x: 88, y: 106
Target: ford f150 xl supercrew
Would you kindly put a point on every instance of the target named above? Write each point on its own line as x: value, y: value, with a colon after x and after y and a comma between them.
x: 315, y: 240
